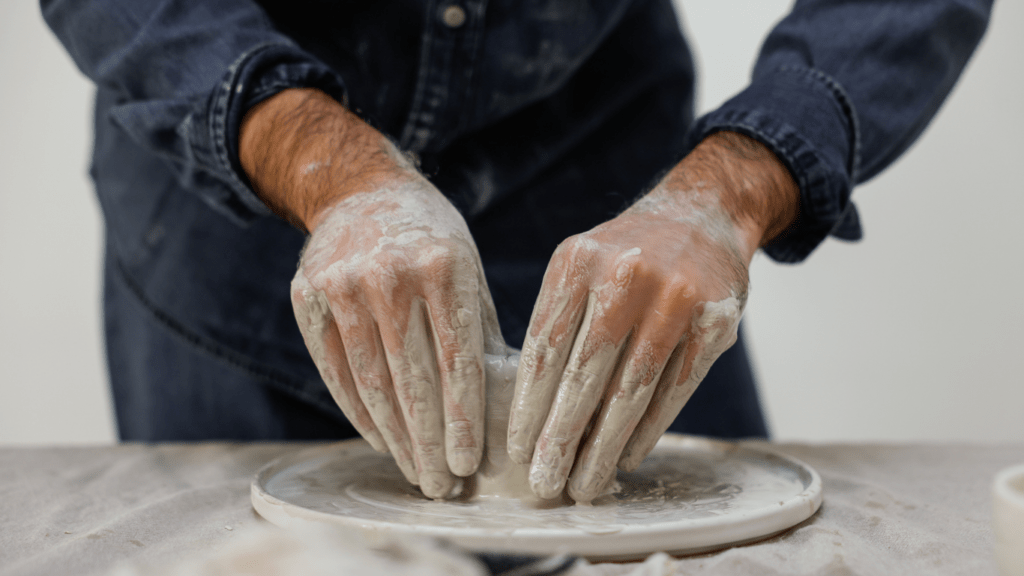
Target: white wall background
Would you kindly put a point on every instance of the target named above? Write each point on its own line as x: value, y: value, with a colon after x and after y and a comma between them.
x: 912, y: 334
x: 52, y: 375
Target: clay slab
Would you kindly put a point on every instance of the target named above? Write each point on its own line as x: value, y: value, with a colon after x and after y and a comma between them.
x: 690, y: 495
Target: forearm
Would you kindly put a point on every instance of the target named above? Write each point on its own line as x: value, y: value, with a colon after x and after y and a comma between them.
x: 750, y: 184
x: 303, y: 151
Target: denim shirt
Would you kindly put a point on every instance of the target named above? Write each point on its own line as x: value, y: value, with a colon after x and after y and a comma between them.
x: 537, y: 118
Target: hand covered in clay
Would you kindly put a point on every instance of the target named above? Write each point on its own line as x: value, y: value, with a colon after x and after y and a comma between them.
x: 632, y: 314
x: 390, y: 295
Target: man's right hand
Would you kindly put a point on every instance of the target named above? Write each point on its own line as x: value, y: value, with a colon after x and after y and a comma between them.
x: 390, y: 294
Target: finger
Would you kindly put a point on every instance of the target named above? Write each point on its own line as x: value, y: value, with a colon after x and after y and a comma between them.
x: 711, y: 333
x: 625, y: 402
x: 372, y: 377
x: 458, y: 340
x: 316, y: 323
x: 413, y: 368
x: 591, y: 362
x: 556, y: 318
x: 494, y: 341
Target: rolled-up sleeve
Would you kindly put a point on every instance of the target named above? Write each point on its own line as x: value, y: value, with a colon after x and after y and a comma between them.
x: 840, y: 89
x: 185, y: 72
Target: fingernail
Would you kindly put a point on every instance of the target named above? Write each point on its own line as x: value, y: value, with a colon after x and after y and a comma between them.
x: 436, y: 485
x: 630, y: 460
x: 586, y: 486
x: 545, y: 483
x: 463, y: 461
x: 581, y: 486
x: 376, y: 442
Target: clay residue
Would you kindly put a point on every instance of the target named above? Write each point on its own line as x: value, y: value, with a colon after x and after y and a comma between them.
x: 498, y: 476
x: 391, y: 299
x: 713, y: 330
x: 711, y: 333
x: 682, y: 481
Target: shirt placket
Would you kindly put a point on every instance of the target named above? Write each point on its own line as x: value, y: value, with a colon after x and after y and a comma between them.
x: 452, y: 35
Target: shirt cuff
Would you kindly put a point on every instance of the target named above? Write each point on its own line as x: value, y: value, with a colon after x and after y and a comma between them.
x: 257, y: 75
x: 807, y: 120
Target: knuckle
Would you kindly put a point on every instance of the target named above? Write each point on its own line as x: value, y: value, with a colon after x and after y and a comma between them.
x: 464, y: 390
x: 383, y: 259
x: 585, y: 376
x: 302, y: 292
x: 416, y: 392
x: 580, y: 246
x: 463, y: 321
x: 374, y: 397
x: 343, y: 288
x: 629, y: 255
x: 381, y: 271
x: 553, y: 449
x: 632, y: 264
x: 460, y: 427
x: 630, y: 269
x: 461, y: 365
x: 369, y: 381
x: 463, y: 432
x: 430, y: 451
x: 454, y: 275
x: 336, y: 282
x: 300, y: 296
x: 438, y: 263
x: 536, y: 356
x: 679, y: 292
x: 300, y: 282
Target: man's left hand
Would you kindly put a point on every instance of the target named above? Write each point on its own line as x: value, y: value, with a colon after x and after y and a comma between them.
x: 632, y: 314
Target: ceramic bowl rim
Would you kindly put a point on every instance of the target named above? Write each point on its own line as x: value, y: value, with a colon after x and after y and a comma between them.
x: 1009, y: 486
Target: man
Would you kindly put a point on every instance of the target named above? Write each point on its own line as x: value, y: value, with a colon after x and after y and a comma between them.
x: 438, y: 153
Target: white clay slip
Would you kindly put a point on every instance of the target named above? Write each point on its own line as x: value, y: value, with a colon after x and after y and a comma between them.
x: 689, y: 495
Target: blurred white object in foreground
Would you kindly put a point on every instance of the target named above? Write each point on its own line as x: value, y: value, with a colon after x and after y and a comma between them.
x: 1008, y: 520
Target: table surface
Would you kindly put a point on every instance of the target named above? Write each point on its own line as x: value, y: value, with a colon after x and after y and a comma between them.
x: 888, y: 508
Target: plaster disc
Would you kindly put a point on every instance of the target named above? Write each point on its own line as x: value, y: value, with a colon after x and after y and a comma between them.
x: 690, y: 495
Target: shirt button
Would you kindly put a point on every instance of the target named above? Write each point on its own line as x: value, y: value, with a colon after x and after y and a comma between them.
x: 454, y: 16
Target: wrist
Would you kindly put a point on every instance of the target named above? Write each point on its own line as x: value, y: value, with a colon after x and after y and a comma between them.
x: 752, y: 185
x: 304, y: 152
